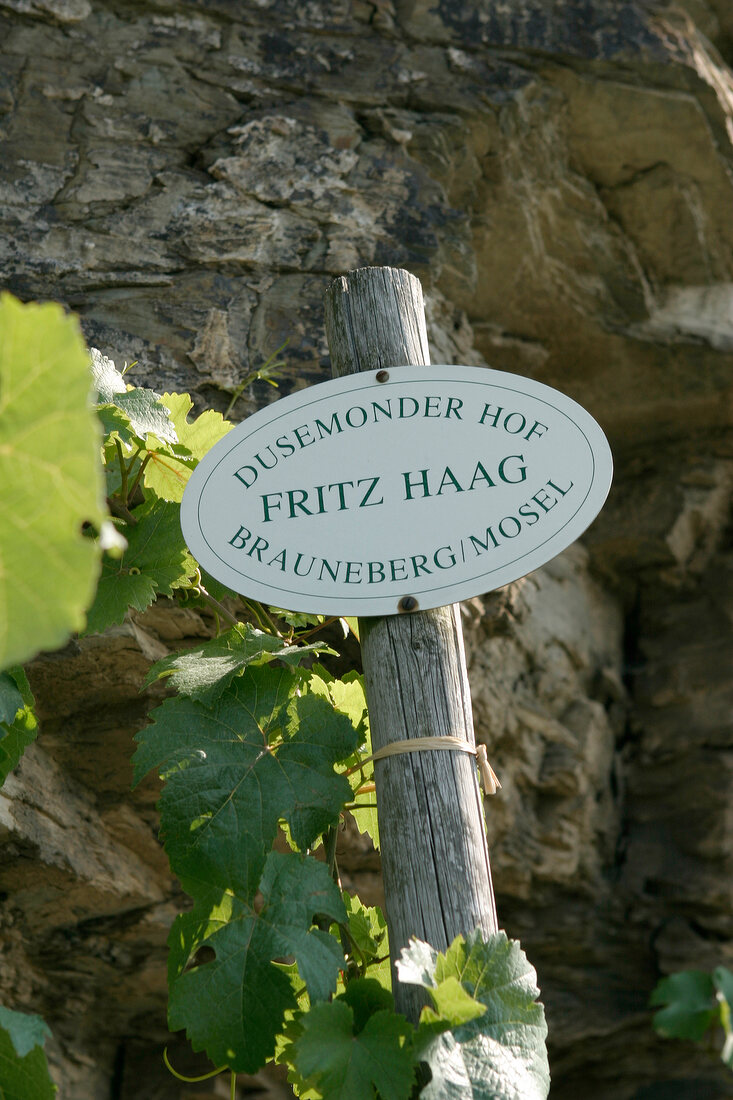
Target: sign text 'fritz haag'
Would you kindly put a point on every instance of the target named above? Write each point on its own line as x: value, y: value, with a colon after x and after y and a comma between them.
x: 396, y: 490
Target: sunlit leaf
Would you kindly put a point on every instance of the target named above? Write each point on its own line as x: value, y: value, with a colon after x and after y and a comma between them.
x: 143, y: 411
x: 165, y: 473
x: 50, y: 479
x: 23, y: 1067
x: 16, y: 733
x: 499, y: 1055
x: 367, y: 929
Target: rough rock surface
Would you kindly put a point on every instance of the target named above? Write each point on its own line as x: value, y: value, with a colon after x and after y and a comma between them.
x: 189, y: 177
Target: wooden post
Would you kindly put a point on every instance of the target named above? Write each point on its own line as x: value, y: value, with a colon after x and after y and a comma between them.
x: 435, y: 860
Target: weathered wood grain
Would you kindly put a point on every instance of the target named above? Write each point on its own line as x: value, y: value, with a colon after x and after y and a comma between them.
x: 435, y: 860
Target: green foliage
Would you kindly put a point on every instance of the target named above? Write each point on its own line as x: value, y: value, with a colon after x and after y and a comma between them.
x: 155, y: 563
x: 50, y: 479
x: 246, y: 936
x: 165, y: 474
x: 723, y: 982
x: 451, y: 1001
x: 482, y: 1039
x: 695, y: 1002
x: 348, y: 696
x: 18, y: 723
x: 258, y: 754
x: 23, y: 1066
x: 247, y: 747
x: 268, y: 372
x: 344, y: 1062
x: 261, y: 754
x: 24, y: 1031
x: 150, y: 450
x: 689, y: 997
x: 142, y: 411
x: 207, y: 670
x: 495, y: 1054
x: 11, y: 696
x: 368, y: 940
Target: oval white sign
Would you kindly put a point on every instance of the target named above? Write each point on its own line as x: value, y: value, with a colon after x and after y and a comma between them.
x: 396, y: 490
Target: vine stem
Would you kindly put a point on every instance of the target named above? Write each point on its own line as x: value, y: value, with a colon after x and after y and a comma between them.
x: 270, y: 364
x: 263, y: 619
x: 133, y: 460
x: 219, y: 607
x: 123, y: 471
x: 356, y: 767
x: 330, y: 841
x: 725, y: 1020
x: 139, y: 474
x: 191, y: 1080
x: 321, y: 626
x: 351, y: 947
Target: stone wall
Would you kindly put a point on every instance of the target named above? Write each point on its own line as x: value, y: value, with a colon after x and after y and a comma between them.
x: 189, y: 177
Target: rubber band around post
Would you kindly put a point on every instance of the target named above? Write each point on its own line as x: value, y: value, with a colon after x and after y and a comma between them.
x: 489, y: 778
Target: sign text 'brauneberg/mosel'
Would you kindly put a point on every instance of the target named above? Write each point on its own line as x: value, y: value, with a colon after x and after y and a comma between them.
x: 395, y: 490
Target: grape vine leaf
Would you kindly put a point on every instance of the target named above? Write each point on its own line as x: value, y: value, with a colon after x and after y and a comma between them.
x: 156, y: 561
x: 119, y: 590
x: 25, y: 1030
x: 367, y: 928
x: 234, y: 768
x: 499, y: 1055
x: 108, y: 381
x: 347, y: 1066
x: 690, y: 1005
x: 233, y: 1006
x: 349, y: 697
x: 299, y: 620
x: 144, y: 410
x: 167, y: 474
x: 452, y: 1002
x: 11, y: 699
x: 16, y: 734
x: 147, y: 414
x: 116, y: 423
x: 365, y: 997
x: 205, y: 671
x: 50, y: 479
x: 282, y: 1041
x: 365, y: 814
x: 723, y: 982
x: 23, y: 1066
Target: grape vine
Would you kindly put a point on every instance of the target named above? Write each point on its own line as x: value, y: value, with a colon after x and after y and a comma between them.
x: 694, y: 1004
x: 262, y: 752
